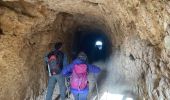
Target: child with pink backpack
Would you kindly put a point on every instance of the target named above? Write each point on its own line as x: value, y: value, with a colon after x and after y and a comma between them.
x: 78, y: 71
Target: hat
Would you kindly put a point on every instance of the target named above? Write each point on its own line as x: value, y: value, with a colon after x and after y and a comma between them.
x: 82, y: 56
x: 58, y: 45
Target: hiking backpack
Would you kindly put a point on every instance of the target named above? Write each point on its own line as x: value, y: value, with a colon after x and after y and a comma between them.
x: 78, y: 79
x: 54, y: 62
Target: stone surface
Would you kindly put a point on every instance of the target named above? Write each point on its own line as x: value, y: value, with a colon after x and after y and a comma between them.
x: 139, y: 30
x: 167, y: 42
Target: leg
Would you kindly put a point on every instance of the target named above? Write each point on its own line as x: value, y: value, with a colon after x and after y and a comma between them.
x: 76, y: 96
x: 50, y: 88
x: 61, y: 82
x: 83, y: 96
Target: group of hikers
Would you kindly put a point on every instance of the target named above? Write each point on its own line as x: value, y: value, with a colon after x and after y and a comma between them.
x: 77, y: 71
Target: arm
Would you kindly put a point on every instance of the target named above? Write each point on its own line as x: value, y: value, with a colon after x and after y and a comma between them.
x: 65, y: 61
x: 93, y: 68
x: 67, y: 69
x: 46, y: 61
x: 46, y: 55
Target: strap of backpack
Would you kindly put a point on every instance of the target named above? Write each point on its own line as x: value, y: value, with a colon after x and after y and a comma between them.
x: 60, y: 56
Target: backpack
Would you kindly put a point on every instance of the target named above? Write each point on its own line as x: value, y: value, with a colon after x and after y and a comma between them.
x: 78, y: 79
x: 54, y: 64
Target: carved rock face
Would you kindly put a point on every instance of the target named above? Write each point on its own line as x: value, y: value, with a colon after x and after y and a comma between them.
x: 139, y: 63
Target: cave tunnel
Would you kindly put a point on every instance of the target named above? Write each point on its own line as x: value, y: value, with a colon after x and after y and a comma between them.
x: 94, y: 42
x: 128, y: 39
x: 93, y: 36
x: 78, y: 33
x: 88, y: 34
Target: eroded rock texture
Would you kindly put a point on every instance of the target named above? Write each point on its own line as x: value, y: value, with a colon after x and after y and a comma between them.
x: 139, y: 30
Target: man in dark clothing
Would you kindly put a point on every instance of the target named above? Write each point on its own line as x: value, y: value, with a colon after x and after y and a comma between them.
x: 59, y: 61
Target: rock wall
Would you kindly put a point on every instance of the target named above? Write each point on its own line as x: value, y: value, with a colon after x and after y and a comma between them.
x: 139, y: 31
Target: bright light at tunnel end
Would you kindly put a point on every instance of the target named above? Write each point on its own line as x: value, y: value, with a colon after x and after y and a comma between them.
x: 109, y: 96
x: 99, y: 44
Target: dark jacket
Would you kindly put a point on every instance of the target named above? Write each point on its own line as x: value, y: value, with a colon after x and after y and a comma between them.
x: 63, y: 58
x: 68, y: 70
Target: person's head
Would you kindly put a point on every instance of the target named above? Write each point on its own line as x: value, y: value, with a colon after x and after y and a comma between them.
x: 58, y: 45
x: 82, y: 56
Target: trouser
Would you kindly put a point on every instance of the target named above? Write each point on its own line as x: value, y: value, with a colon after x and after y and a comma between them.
x: 51, y: 85
x: 80, y: 96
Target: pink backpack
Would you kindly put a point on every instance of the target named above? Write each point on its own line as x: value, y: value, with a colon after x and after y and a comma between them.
x: 54, y: 65
x: 78, y: 78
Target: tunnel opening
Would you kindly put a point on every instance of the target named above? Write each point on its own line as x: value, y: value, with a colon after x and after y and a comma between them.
x: 93, y: 41
x: 85, y: 33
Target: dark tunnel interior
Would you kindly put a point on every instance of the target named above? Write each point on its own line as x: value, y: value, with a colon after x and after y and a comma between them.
x: 94, y: 42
